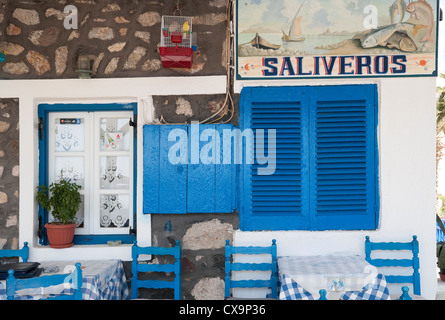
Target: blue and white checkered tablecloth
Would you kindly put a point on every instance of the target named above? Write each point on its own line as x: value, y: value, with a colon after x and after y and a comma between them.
x: 101, y: 280
x: 376, y: 289
x: 345, y: 277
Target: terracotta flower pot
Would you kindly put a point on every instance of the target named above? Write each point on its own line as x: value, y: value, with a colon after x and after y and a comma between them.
x: 60, y: 235
x: 442, y: 275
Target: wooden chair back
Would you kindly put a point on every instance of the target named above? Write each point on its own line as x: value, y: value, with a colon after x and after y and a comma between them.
x: 137, y: 267
x: 231, y: 266
x: 412, y: 262
x: 21, y: 253
x: 72, y: 281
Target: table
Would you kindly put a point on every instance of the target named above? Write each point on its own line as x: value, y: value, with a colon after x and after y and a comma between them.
x: 101, y: 280
x: 346, y: 277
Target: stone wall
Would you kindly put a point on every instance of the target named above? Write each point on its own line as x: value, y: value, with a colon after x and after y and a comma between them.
x: 121, y: 37
x: 185, y: 109
x: 9, y: 173
x: 202, y: 239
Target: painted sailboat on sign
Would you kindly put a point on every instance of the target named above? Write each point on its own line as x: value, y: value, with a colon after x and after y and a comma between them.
x: 294, y: 30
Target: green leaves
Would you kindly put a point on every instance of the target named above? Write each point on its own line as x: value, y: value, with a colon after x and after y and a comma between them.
x: 62, y: 198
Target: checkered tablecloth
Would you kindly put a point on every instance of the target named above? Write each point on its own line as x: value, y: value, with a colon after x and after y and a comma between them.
x: 344, y: 277
x: 101, y: 280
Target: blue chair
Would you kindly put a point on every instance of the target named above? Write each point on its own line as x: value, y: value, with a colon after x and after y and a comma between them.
x: 413, y: 262
x: 13, y: 284
x: 230, y: 266
x: 137, y: 267
x: 21, y: 253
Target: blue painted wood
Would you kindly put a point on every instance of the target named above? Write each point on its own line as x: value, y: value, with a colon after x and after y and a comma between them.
x: 156, y: 284
x: 201, y: 168
x: 75, y: 278
x: 137, y: 267
x: 172, y: 176
x: 230, y: 266
x: 343, y: 154
x: 22, y: 253
x: 322, y: 293
x: 405, y: 295
x: 194, y: 186
x: 440, y: 236
x: 280, y: 195
x: 326, y: 164
x: 251, y: 266
x: 156, y: 268
x: 413, y: 263
x: 225, y: 172
x: 151, y: 181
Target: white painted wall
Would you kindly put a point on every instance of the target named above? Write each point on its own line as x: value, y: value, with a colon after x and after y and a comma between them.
x: 406, y: 150
x: 33, y: 92
x: 407, y: 131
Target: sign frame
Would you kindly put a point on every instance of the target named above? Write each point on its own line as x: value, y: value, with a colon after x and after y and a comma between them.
x: 364, y: 63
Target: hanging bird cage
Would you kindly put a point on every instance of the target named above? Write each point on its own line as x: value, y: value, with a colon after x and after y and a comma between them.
x: 177, y: 42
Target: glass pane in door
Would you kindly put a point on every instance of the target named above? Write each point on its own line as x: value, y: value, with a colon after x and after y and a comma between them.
x: 114, y: 172
x: 70, y: 169
x: 114, y: 211
x: 114, y: 134
x: 69, y: 134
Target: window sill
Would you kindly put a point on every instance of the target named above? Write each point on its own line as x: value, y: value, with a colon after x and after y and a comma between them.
x: 82, y: 252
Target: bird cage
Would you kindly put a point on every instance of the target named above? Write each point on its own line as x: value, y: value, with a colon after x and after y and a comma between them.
x: 177, y: 42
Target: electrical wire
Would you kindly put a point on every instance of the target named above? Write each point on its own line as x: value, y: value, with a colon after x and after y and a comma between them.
x: 228, y: 105
x: 225, y: 107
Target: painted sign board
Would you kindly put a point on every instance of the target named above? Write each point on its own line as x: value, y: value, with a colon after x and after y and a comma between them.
x: 288, y: 39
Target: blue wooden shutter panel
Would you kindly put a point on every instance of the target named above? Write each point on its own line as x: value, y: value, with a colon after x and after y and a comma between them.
x: 274, y: 202
x: 326, y: 148
x: 186, y: 187
x: 343, y: 152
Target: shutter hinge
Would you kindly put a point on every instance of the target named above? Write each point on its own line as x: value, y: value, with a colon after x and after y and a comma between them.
x: 40, y: 230
x: 133, y: 124
x: 40, y: 128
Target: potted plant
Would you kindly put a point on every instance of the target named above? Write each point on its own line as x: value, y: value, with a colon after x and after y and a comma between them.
x: 440, y: 253
x: 62, y: 199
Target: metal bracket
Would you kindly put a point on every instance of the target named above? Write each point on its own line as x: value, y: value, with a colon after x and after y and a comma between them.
x: 133, y: 124
x: 40, y: 128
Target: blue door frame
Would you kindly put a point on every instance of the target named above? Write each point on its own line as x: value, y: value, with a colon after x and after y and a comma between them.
x: 43, y: 111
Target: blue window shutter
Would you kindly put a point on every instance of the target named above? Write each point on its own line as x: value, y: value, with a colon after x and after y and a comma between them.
x: 172, y: 177
x: 201, y: 176
x: 210, y: 186
x: 225, y: 173
x: 151, y: 169
x: 278, y: 201
x: 344, y: 157
x: 326, y: 169
x: 165, y: 184
x: 193, y: 186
